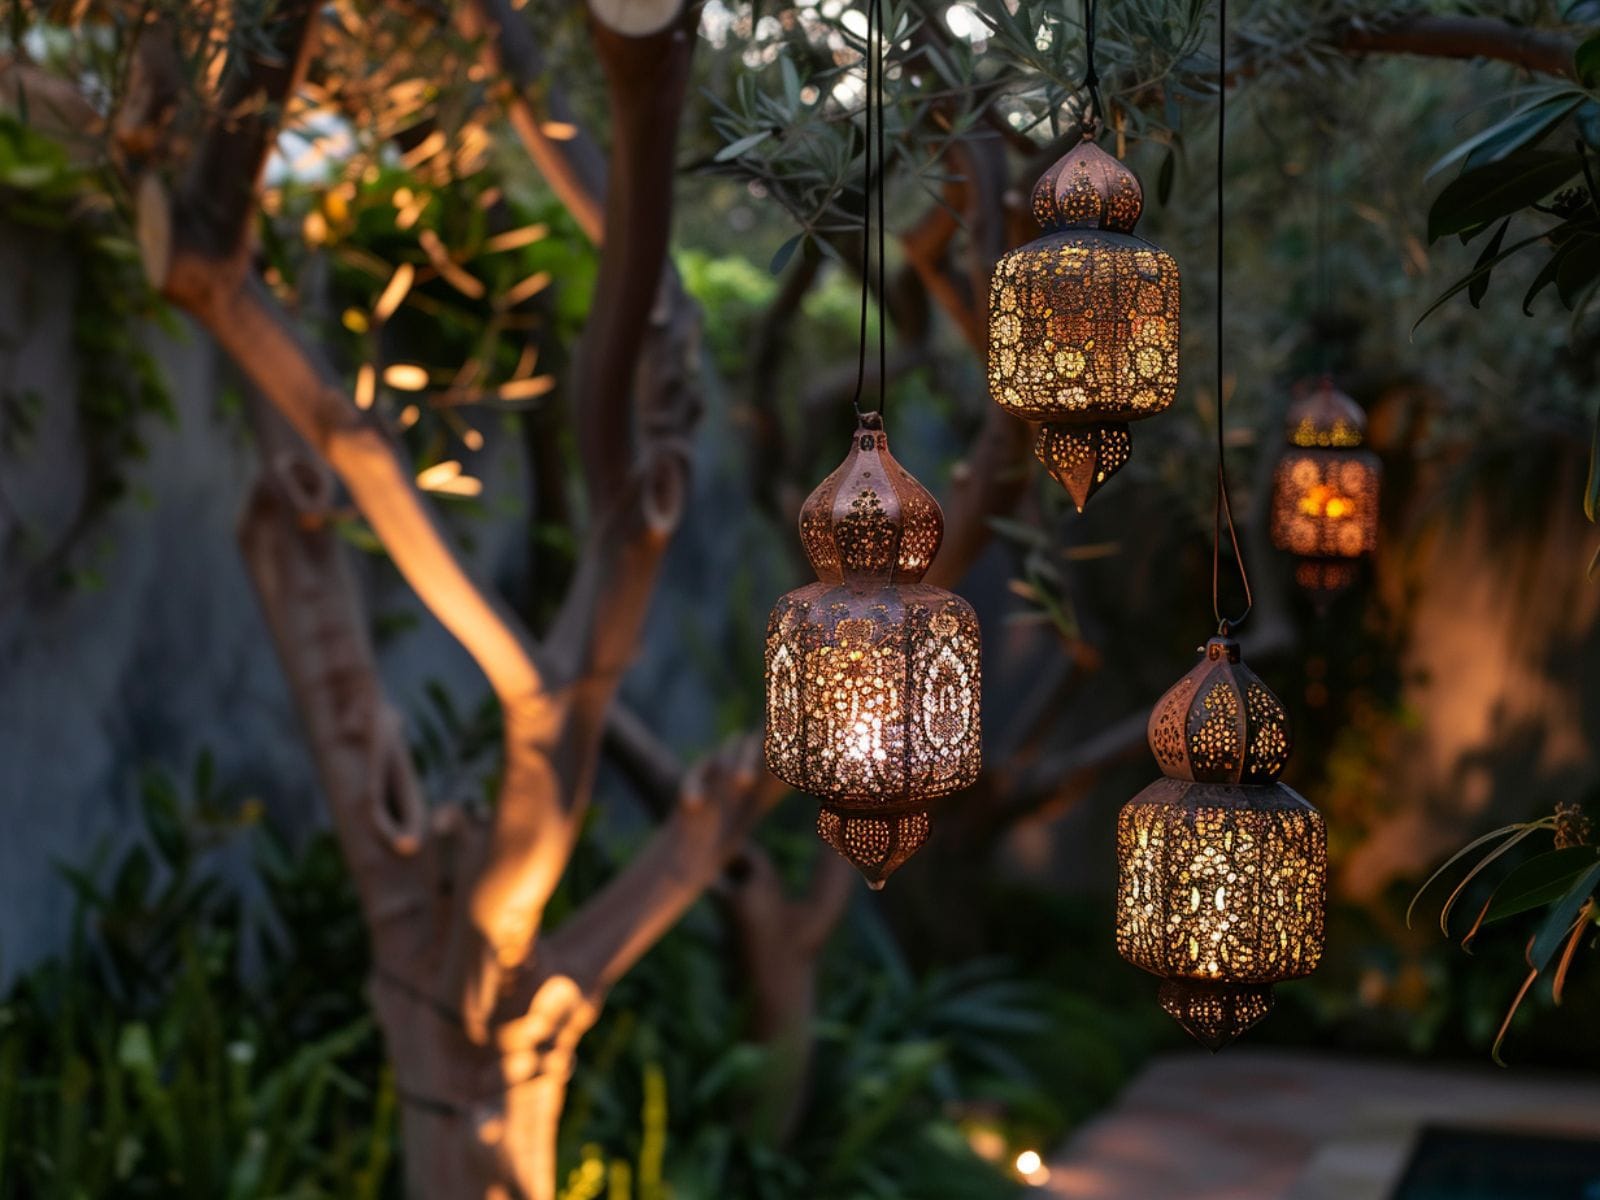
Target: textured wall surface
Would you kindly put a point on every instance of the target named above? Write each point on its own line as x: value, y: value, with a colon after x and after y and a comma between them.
x: 168, y: 656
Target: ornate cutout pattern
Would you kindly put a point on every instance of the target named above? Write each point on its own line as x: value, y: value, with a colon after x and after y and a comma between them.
x: 1084, y: 321
x: 873, y: 679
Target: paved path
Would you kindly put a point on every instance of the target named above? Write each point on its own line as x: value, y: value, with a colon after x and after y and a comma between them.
x: 1267, y: 1125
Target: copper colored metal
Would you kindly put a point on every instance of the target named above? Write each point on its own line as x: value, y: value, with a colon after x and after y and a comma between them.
x: 873, y: 677
x: 1325, y: 491
x: 1222, y: 870
x: 1083, y: 321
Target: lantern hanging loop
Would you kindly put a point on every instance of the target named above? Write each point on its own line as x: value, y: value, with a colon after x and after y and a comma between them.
x: 1223, y: 509
x: 872, y: 186
x: 1091, y: 77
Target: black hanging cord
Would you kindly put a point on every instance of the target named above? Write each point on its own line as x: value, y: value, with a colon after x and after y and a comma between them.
x: 1224, y: 508
x: 884, y: 36
x: 872, y: 180
x: 866, y: 214
x: 1091, y: 77
x: 1324, y: 301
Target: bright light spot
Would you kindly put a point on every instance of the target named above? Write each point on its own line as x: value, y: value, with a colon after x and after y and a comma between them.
x: 856, y: 22
x: 366, y: 386
x: 406, y: 377
x: 1032, y: 1169
x: 964, y: 23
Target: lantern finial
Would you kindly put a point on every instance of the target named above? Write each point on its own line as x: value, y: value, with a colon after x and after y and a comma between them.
x: 1220, y: 723
x: 870, y: 522
x: 1086, y: 188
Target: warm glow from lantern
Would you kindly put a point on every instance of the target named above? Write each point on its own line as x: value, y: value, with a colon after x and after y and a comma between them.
x: 872, y: 678
x: 1325, y: 491
x: 1222, y: 870
x: 1325, y: 501
x: 1083, y: 321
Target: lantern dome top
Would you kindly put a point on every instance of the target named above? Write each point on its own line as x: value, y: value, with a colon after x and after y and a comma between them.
x: 871, y: 522
x: 1324, y: 416
x: 1220, y: 723
x: 1087, y: 188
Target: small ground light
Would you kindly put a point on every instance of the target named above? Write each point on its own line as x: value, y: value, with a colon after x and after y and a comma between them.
x: 1032, y: 1169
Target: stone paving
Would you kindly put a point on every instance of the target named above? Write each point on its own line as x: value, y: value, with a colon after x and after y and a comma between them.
x: 1269, y: 1125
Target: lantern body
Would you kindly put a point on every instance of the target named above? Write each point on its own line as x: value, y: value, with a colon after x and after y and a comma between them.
x: 1222, y: 878
x: 1325, y: 492
x: 873, y: 679
x: 1083, y: 322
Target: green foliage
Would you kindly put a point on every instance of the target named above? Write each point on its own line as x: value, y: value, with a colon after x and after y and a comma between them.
x: 119, y: 387
x: 1564, y: 882
x: 149, y: 1062
x: 896, y: 1062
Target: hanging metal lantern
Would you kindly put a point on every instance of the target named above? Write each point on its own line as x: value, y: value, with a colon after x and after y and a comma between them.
x: 872, y: 676
x: 1222, y: 869
x: 1083, y: 322
x: 1325, y: 491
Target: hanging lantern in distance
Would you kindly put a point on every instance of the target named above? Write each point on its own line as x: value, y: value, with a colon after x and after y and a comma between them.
x: 1222, y: 870
x: 873, y: 676
x: 1083, y: 322
x: 1325, y: 491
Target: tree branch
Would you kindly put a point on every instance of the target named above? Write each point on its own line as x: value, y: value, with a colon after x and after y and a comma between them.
x: 319, y: 624
x: 1463, y: 37
x: 217, y: 200
x: 571, y: 164
x: 721, y: 799
x: 647, y: 78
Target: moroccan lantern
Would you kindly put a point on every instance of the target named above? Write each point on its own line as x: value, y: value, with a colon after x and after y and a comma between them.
x: 1222, y: 869
x: 872, y: 676
x: 1083, y: 322
x: 1325, y: 491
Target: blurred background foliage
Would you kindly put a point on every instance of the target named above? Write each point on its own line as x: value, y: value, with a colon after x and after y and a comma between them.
x: 202, y: 1037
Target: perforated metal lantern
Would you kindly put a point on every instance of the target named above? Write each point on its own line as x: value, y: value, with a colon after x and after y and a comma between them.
x: 1222, y: 878
x: 1325, y: 491
x: 1083, y: 322
x: 873, y: 677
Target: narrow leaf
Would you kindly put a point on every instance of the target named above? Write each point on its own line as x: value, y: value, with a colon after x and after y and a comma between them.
x: 1591, y: 490
x: 1466, y: 280
x: 1545, y: 277
x: 1540, y: 880
x: 780, y: 260
x: 1559, y: 983
x: 1499, y: 189
x: 734, y: 149
x: 1503, y: 831
x: 1562, y: 914
x: 1480, y: 285
x: 1516, y: 1003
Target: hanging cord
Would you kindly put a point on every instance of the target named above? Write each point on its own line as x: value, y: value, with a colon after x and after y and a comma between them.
x: 883, y: 291
x: 1091, y: 77
x: 1224, y: 507
x: 1324, y: 300
x: 867, y: 56
x: 872, y: 180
